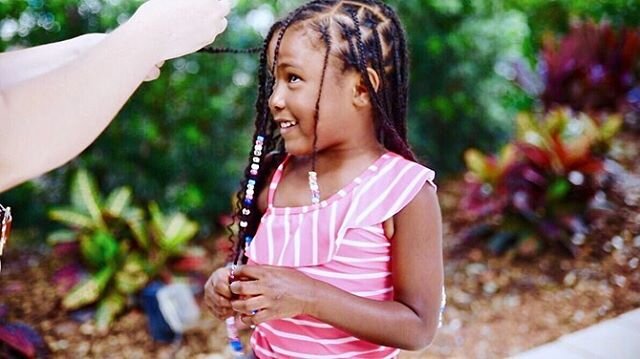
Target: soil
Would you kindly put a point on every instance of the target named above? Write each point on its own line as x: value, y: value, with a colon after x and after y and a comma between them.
x: 497, y: 305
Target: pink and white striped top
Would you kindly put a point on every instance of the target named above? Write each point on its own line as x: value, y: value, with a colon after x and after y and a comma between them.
x: 340, y: 241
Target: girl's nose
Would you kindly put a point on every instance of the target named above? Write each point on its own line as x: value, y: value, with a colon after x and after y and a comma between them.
x: 276, y: 101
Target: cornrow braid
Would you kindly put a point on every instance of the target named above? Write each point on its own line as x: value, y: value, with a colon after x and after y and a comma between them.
x: 326, y: 38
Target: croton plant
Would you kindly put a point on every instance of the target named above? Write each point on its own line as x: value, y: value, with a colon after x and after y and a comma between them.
x: 119, y: 247
x: 538, y: 188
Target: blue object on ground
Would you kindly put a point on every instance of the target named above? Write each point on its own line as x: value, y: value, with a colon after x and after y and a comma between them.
x: 158, y: 327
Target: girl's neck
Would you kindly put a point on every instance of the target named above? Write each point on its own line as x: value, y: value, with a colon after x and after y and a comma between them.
x: 335, y: 158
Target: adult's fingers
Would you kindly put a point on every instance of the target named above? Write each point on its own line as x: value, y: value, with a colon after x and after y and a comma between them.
x: 225, y: 6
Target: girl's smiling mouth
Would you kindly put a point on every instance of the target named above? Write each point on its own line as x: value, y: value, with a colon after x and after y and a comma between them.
x: 286, y: 126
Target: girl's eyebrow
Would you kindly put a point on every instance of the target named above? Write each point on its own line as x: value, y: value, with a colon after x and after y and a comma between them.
x: 288, y: 64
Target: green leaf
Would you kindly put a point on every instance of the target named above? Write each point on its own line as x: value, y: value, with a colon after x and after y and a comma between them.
x: 134, y: 217
x: 62, y: 236
x: 89, y: 291
x: 100, y: 249
x: 109, y: 307
x: 178, y: 232
x: 72, y: 218
x: 157, y: 218
x: 134, y: 274
x: 558, y: 189
x: 611, y: 126
x: 118, y: 201
x: 85, y: 196
x: 477, y: 163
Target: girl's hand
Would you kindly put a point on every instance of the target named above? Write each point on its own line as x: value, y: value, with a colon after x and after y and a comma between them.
x: 271, y: 293
x: 217, y: 296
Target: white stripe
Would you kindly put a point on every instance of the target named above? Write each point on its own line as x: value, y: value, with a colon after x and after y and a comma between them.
x: 296, y: 243
x: 314, y: 237
x: 286, y: 235
x: 384, y: 195
x: 361, y: 191
x: 283, y: 334
x: 393, y: 355
x: 262, y: 351
x: 372, y: 293
x: 361, y: 260
x: 374, y: 229
x: 252, y: 249
x: 270, y: 241
x: 254, y: 344
x: 329, y: 356
x: 307, y: 323
x: 410, y: 188
x: 362, y: 244
x: 332, y: 230
x: 329, y: 274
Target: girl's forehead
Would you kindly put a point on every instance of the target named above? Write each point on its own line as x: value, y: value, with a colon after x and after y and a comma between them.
x: 299, y: 43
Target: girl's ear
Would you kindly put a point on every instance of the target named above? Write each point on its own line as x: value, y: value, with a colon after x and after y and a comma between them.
x: 360, y: 92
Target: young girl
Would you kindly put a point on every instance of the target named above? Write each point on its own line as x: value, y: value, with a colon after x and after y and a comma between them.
x: 340, y: 227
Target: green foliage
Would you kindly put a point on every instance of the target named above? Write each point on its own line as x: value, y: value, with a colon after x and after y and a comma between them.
x: 122, y: 250
x: 182, y: 140
x: 538, y: 188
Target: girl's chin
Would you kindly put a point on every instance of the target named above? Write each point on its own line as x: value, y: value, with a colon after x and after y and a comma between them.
x: 295, y: 148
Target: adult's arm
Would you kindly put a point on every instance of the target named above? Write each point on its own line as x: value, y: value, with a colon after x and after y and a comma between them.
x: 48, y: 119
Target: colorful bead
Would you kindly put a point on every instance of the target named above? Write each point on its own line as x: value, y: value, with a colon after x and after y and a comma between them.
x: 244, y: 224
x: 313, y: 186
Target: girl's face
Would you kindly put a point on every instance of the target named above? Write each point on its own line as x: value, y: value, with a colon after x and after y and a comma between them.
x: 297, y: 81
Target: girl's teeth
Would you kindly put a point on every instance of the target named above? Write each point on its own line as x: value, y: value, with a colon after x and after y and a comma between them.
x: 288, y: 124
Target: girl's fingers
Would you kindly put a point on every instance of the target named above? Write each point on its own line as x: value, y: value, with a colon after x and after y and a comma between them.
x: 255, y: 319
x: 249, y: 306
x: 249, y: 287
x: 221, y: 301
x: 253, y: 272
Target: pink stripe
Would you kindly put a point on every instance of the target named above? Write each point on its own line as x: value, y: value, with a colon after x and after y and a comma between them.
x: 383, y: 196
x: 314, y: 237
x: 400, y: 202
x: 296, y: 243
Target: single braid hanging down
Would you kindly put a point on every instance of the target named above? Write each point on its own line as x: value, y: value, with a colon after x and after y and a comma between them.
x: 362, y: 35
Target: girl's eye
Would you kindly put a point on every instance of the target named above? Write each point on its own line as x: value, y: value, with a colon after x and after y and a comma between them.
x: 293, y: 78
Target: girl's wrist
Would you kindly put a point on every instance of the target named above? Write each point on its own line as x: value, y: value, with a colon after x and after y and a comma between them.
x: 310, y: 306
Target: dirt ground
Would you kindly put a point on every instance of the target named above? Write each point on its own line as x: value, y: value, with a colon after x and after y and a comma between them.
x: 496, y: 306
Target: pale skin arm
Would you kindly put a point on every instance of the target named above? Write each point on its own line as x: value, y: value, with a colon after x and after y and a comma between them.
x: 20, y: 65
x: 417, y: 277
x: 50, y: 116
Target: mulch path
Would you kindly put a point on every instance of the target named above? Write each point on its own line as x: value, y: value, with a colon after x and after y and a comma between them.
x: 497, y: 306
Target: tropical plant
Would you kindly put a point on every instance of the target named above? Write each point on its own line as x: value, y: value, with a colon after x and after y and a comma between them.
x: 122, y: 250
x: 537, y: 190
x: 593, y: 69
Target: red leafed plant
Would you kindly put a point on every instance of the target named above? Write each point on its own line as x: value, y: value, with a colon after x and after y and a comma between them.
x: 537, y: 189
x: 593, y: 69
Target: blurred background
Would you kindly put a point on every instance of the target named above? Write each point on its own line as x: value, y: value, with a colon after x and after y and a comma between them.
x: 527, y: 109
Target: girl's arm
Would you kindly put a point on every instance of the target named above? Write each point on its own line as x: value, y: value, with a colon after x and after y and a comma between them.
x: 49, y: 119
x: 19, y: 65
x: 409, y: 322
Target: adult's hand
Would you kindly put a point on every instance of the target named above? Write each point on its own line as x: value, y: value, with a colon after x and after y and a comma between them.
x: 180, y: 27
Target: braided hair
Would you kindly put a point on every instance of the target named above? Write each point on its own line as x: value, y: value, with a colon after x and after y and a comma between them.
x: 362, y: 34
